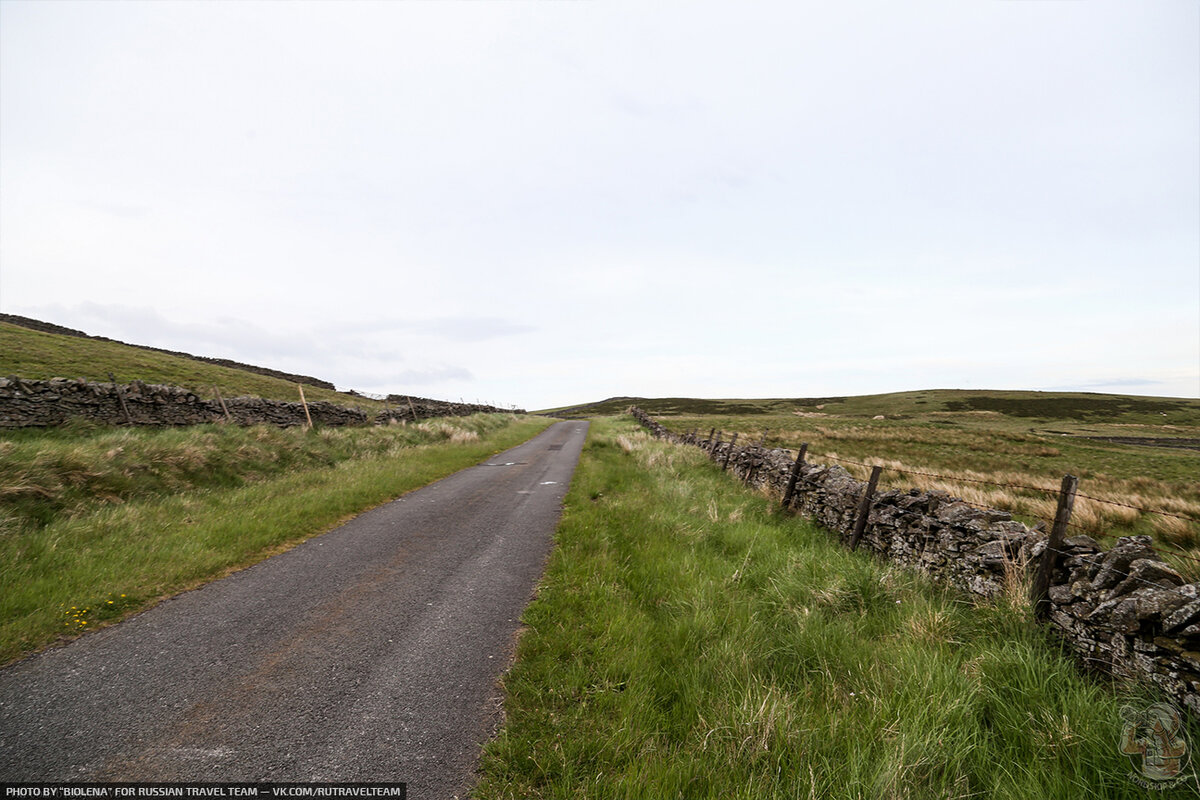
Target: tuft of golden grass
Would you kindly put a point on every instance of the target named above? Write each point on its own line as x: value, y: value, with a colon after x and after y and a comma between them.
x: 930, y: 625
x: 1110, y: 505
x: 1178, y: 532
x: 626, y: 443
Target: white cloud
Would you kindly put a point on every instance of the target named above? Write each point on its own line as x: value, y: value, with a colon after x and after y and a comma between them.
x: 546, y: 203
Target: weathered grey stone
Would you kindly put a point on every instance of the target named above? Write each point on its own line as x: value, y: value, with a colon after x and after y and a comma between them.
x: 1082, y: 542
x: 1147, y: 572
x: 1115, y: 565
x: 1084, y: 567
x: 1181, y: 617
x: 1121, y: 615
x: 1156, y: 605
x: 994, y: 554
x: 1061, y: 595
x: 957, y: 513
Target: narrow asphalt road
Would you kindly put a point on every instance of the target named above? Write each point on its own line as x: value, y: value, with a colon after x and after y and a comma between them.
x: 370, y: 653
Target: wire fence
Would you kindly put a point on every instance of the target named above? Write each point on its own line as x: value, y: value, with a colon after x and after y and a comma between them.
x: 1097, y: 594
x: 1171, y: 550
x: 1174, y: 550
x: 1122, y: 574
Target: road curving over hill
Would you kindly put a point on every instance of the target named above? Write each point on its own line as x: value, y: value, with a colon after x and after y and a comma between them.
x: 370, y: 653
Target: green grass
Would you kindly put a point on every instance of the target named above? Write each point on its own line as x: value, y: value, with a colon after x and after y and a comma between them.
x: 687, y: 641
x: 96, y: 523
x: 993, y: 438
x: 37, y: 356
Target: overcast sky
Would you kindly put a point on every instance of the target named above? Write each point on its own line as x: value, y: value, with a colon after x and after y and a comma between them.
x: 544, y: 203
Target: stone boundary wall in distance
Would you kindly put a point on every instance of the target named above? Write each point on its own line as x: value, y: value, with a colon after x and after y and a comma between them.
x: 30, y: 403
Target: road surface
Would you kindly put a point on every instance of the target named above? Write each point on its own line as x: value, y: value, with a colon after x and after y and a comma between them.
x: 370, y: 653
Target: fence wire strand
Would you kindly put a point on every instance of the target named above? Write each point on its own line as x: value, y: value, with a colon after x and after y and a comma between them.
x: 955, y: 478
x: 1042, y: 489
x: 1173, y: 550
x: 1138, y: 508
x: 1123, y: 574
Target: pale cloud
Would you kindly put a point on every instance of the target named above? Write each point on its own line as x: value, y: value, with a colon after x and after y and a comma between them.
x: 550, y: 203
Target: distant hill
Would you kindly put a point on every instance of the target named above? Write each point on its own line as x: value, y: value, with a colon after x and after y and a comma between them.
x: 48, y: 353
x: 49, y: 327
x: 1042, y: 406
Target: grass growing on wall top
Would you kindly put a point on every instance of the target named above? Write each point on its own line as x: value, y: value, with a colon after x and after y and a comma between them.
x: 96, y: 523
x: 687, y: 641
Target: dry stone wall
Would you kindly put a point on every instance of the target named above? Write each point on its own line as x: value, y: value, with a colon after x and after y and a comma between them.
x: 25, y: 403
x: 1122, y: 610
x: 28, y: 403
x: 418, y: 408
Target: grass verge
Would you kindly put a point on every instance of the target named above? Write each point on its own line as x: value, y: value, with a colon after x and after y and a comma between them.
x: 130, y: 516
x: 687, y: 641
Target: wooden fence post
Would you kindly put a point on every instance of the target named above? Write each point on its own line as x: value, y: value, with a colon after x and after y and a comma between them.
x: 304, y: 403
x: 864, y: 508
x: 791, y: 484
x: 757, y: 457
x: 121, y: 397
x: 729, y: 452
x: 410, y: 407
x: 709, y: 444
x: 221, y: 400
x: 1040, y: 588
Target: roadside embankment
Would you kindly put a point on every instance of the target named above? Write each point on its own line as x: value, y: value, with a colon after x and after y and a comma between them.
x: 98, y: 522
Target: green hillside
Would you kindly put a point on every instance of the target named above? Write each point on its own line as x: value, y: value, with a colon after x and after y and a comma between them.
x: 1024, y: 408
x: 33, y: 354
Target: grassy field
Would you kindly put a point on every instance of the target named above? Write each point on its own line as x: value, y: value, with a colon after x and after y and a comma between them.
x: 1083, y: 408
x: 37, y: 355
x: 1010, y: 438
x: 687, y: 641
x: 97, y: 523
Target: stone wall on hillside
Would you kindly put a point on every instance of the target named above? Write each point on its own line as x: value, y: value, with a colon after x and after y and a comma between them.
x: 418, y: 408
x: 1123, y: 610
x: 27, y: 403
